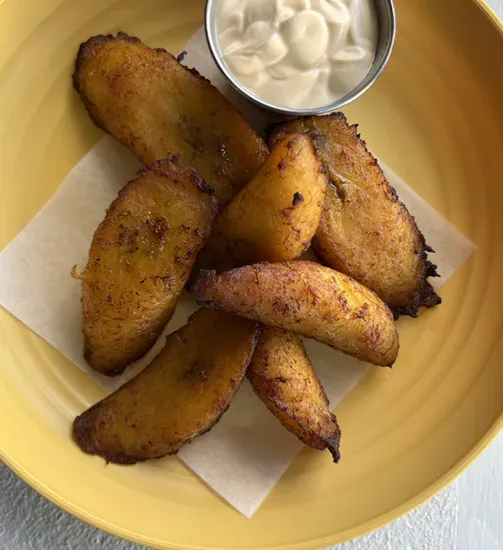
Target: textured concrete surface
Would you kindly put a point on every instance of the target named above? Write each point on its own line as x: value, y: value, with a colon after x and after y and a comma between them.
x: 30, y: 522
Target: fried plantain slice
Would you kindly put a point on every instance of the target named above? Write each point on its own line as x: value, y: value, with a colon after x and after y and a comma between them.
x: 282, y: 376
x: 272, y: 219
x: 276, y: 215
x: 140, y: 260
x: 308, y: 299
x: 365, y: 231
x: 150, y: 102
x: 179, y: 396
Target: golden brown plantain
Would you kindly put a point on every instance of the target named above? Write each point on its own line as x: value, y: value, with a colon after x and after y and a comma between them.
x: 365, y: 231
x: 282, y: 376
x: 140, y: 260
x: 276, y: 215
x: 147, y: 100
x: 273, y: 219
x: 308, y: 299
x: 180, y: 395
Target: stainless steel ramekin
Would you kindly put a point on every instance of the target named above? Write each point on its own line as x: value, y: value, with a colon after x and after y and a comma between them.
x: 387, y: 29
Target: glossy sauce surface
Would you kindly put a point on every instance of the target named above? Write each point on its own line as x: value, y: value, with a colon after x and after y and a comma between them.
x: 298, y: 53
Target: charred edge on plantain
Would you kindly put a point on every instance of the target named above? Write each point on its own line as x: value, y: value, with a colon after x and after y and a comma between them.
x: 181, y: 56
x: 170, y: 167
x: 333, y: 444
x: 297, y: 199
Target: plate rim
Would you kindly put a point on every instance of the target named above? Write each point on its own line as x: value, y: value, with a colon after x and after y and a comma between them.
x: 351, y: 534
x: 316, y: 544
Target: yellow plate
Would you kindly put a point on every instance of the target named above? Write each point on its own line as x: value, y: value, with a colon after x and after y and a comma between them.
x: 436, y: 117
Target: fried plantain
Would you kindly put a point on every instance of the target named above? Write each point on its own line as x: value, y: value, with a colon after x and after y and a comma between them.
x: 276, y: 215
x: 365, y: 231
x: 179, y: 396
x: 140, y: 259
x: 272, y: 219
x: 308, y: 299
x: 150, y: 102
x: 282, y: 376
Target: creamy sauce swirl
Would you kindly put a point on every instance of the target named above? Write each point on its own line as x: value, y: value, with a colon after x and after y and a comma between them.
x: 298, y: 54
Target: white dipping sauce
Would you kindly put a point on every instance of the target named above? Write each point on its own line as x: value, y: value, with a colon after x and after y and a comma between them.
x: 298, y: 53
